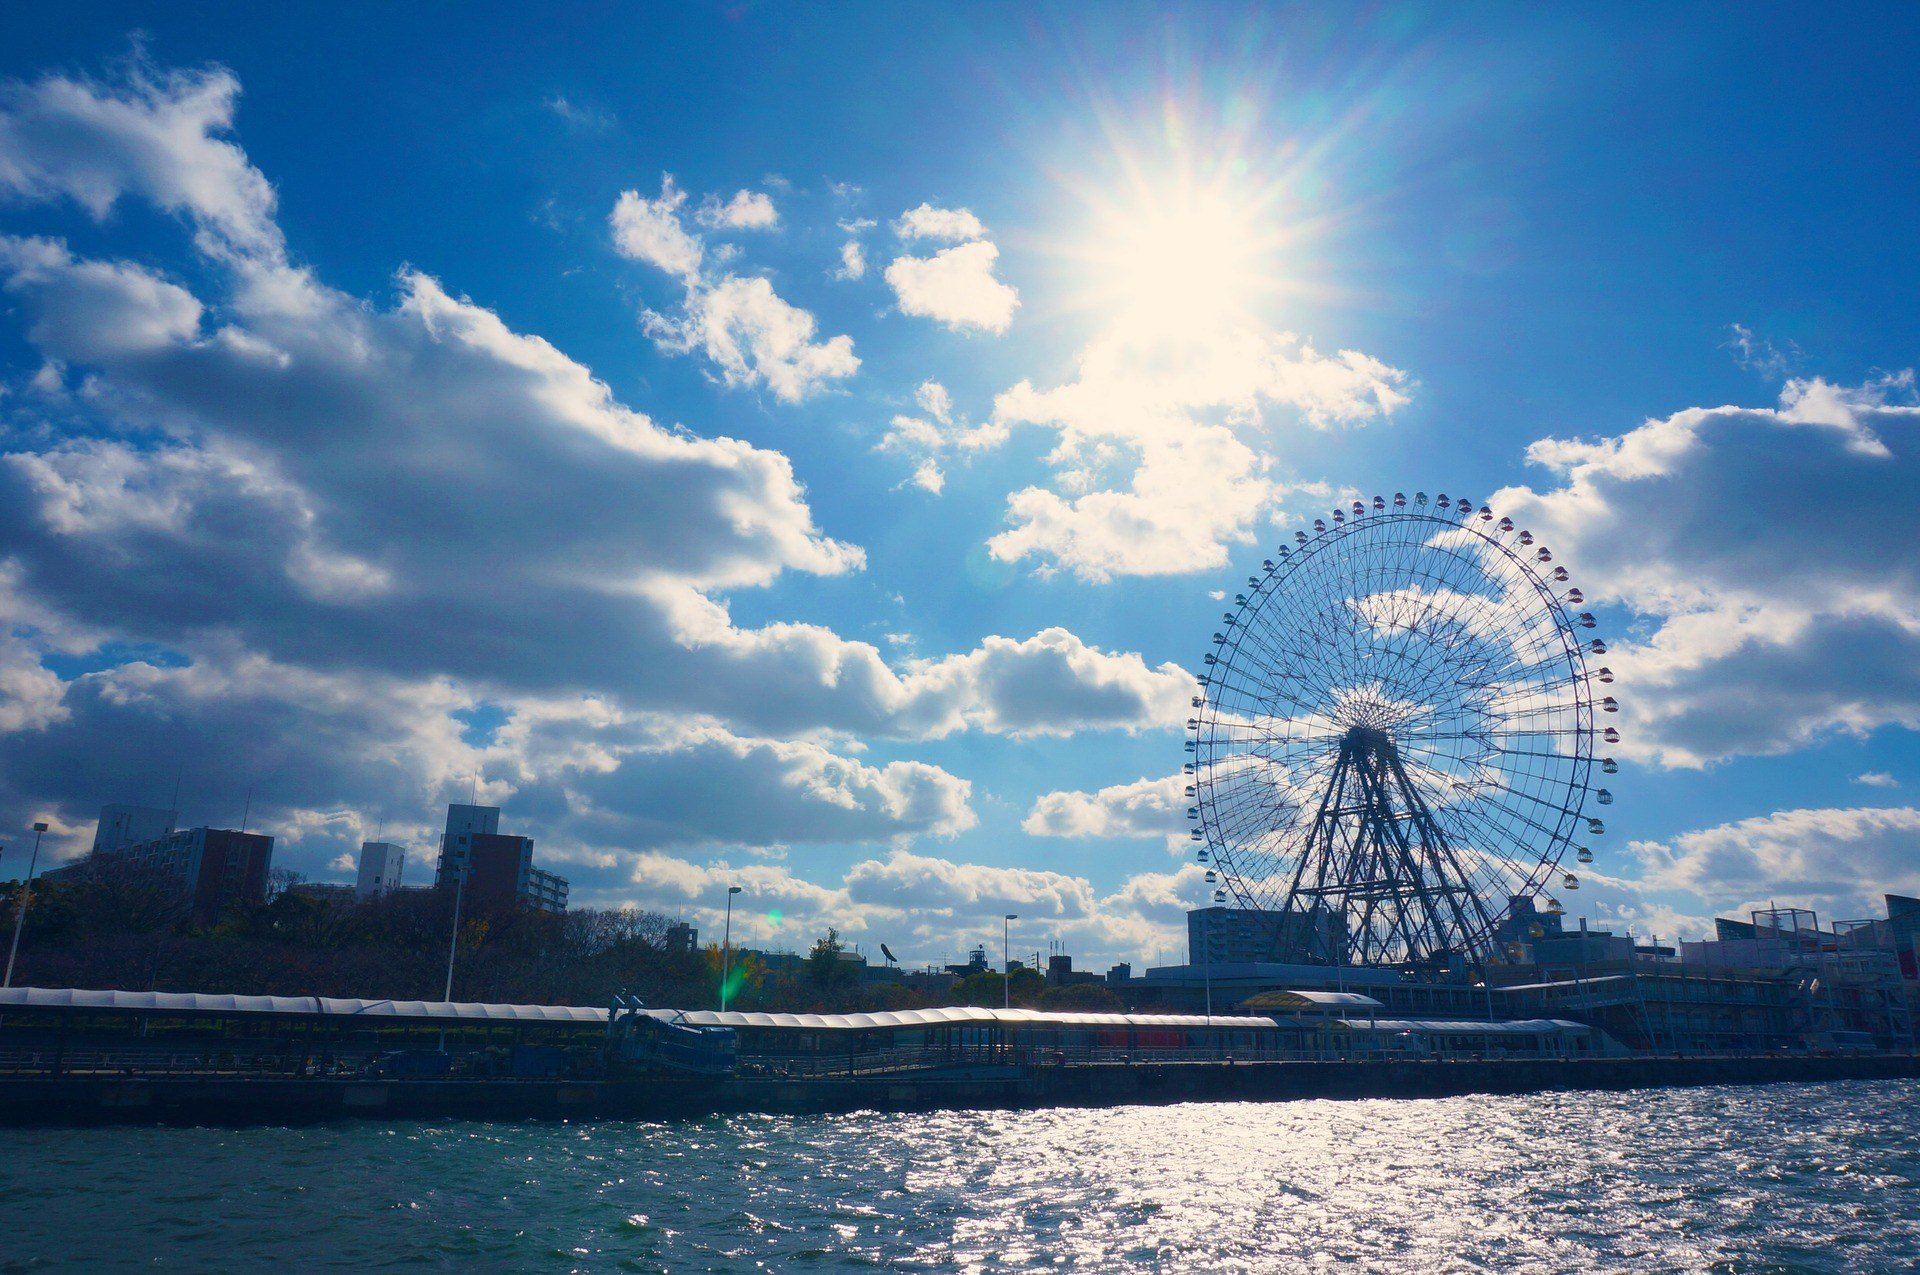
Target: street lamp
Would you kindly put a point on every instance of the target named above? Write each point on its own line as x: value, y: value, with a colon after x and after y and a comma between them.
x: 1006, y: 961
x: 726, y: 949
x: 453, y: 942
x: 26, y: 897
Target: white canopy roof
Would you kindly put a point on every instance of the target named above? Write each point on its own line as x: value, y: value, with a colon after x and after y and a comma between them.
x: 475, y: 1011
x: 1467, y: 1027
x: 956, y: 1015
x: 346, y: 1007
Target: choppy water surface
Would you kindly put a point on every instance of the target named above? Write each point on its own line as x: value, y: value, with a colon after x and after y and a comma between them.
x: 1779, y: 1178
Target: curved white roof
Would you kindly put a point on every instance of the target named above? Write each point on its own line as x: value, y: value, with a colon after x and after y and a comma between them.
x: 345, y: 1007
x: 954, y: 1014
x: 477, y: 1011
x: 1467, y: 1027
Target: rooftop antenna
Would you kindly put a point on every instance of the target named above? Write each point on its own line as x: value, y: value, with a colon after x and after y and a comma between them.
x: 178, y: 772
x: 473, y: 793
x: 248, y: 812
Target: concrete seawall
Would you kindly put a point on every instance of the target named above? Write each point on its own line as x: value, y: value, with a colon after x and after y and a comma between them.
x: 239, y: 1100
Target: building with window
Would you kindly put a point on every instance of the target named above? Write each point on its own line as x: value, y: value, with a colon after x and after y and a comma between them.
x: 464, y: 823
x: 382, y: 864
x: 131, y: 825
x: 498, y: 867
x: 1221, y: 935
x: 214, y: 866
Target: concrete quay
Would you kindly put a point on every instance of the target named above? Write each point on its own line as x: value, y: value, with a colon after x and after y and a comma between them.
x: 239, y: 1100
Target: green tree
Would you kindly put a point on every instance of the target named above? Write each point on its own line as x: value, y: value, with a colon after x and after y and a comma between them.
x: 827, y: 969
x: 989, y: 989
x: 1081, y: 998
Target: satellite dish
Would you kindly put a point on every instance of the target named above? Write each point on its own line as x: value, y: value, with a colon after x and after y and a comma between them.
x: 888, y: 953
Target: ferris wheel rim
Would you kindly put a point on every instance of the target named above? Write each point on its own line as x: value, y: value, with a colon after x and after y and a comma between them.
x: 1513, y: 769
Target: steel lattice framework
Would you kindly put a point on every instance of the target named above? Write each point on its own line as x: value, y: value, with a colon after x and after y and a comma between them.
x: 1396, y: 734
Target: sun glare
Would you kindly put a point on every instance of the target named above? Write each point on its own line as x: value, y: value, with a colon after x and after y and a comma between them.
x: 1183, y: 258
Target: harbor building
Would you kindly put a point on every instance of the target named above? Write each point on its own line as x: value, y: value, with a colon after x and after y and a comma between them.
x: 1219, y: 935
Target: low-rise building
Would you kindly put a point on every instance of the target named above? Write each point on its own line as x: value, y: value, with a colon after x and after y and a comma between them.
x: 1224, y: 935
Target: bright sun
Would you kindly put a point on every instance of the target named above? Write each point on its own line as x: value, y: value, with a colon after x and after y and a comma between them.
x: 1181, y: 258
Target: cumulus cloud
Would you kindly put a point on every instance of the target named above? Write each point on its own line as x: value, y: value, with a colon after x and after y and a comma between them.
x: 650, y: 230
x: 739, y: 322
x: 1145, y: 808
x: 747, y: 210
x: 755, y: 338
x: 1835, y: 861
x: 935, y: 434
x: 526, y: 538
x: 156, y: 136
x: 1775, y: 618
x: 1157, y: 471
x: 853, y: 261
x: 924, y: 907
x: 1877, y: 779
x: 928, y: 222
x: 955, y: 286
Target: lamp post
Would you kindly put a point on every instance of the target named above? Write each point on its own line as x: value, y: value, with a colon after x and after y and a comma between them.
x: 726, y: 949
x: 1006, y: 961
x: 26, y: 897
x: 453, y: 941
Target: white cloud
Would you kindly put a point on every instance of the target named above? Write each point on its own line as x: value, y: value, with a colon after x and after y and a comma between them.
x: 1760, y: 355
x: 1777, y: 618
x: 739, y: 322
x: 250, y: 512
x: 955, y: 286
x: 853, y: 261
x: 1144, y: 808
x: 908, y: 882
x: 1836, y: 861
x: 755, y: 338
x: 528, y: 545
x: 927, y: 222
x: 936, y: 435
x: 747, y: 210
x: 928, y: 476
x: 580, y: 117
x: 1877, y: 779
x: 1156, y: 471
x: 649, y: 230
x: 935, y: 401
x: 158, y: 136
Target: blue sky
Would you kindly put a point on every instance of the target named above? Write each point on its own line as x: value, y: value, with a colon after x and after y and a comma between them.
x: 365, y: 417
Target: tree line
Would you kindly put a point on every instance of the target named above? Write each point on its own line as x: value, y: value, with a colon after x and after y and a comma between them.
x: 131, y: 929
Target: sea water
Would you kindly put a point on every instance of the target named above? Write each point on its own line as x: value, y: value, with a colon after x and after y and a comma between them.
x: 1767, y: 1178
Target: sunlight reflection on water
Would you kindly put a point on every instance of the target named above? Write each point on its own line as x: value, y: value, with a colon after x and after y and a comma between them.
x: 1773, y: 1178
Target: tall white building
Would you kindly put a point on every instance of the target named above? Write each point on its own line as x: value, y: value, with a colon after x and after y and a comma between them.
x: 131, y: 826
x: 381, y: 865
x: 464, y: 823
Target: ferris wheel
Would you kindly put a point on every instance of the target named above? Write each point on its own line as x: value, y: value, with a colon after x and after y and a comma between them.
x: 1396, y: 736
